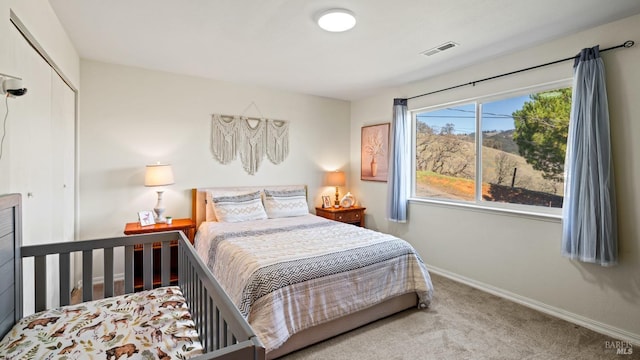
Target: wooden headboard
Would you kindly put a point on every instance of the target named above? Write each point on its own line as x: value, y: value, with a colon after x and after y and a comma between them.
x: 10, y: 261
x: 199, y: 197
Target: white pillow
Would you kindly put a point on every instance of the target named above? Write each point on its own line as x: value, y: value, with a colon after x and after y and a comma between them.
x: 285, y: 203
x: 210, y: 214
x: 237, y: 208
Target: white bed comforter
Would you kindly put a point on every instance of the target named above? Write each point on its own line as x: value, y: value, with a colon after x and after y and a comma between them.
x: 289, y: 274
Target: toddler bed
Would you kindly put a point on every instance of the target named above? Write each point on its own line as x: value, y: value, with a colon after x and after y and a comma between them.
x: 194, y: 319
x: 299, y: 278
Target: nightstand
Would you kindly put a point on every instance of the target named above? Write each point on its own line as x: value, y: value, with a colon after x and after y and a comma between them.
x: 353, y: 215
x: 187, y: 226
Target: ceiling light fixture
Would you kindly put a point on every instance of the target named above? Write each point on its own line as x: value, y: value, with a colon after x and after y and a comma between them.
x: 336, y: 20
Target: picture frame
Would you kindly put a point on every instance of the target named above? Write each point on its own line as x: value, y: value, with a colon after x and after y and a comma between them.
x: 326, y: 201
x: 146, y: 218
x: 374, y: 152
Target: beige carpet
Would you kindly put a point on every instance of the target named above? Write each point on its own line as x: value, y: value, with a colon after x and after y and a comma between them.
x: 465, y: 323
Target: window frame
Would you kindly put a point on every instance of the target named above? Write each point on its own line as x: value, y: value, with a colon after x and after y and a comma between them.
x: 478, y: 202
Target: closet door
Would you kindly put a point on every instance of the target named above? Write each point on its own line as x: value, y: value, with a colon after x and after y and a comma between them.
x: 31, y: 155
x: 63, y: 126
x: 42, y: 166
x: 31, y: 143
x: 63, y: 172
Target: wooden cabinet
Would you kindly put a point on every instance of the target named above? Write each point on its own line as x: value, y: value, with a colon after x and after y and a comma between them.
x: 185, y: 225
x: 353, y: 215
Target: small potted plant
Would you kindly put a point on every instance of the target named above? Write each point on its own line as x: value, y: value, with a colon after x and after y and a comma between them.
x: 169, y: 220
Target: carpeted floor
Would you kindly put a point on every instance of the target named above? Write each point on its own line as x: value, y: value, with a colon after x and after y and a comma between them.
x: 462, y: 323
x: 465, y: 323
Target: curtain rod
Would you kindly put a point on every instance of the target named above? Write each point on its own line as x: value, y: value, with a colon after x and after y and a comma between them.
x: 626, y: 44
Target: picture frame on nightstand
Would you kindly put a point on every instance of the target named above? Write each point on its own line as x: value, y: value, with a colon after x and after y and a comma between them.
x: 146, y: 218
x: 326, y: 201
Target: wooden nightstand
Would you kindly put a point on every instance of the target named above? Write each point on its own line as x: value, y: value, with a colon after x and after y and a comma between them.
x: 353, y: 215
x: 186, y: 225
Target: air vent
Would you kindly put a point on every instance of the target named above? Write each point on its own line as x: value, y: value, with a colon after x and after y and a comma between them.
x: 439, y: 48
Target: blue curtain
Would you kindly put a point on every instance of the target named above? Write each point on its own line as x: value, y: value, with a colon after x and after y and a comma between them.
x: 399, y: 157
x: 589, y: 230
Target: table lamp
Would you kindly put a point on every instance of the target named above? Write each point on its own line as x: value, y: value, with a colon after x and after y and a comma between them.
x: 335, y: 178
x: 159, y: 175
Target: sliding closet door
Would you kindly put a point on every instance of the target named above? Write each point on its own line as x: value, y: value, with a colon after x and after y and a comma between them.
x: 63, y: 180
x: 31, y: 142
x: 31, y: 155
x: 42, y: 167
x: 63, y: 121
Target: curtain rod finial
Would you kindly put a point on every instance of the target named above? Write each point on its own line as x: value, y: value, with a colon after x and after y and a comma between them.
x: 629, y: 43
x: 399, y: 101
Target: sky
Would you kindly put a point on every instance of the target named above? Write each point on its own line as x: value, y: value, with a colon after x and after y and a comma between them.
x: 496, y: 115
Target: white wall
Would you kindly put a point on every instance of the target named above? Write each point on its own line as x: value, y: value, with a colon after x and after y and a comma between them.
x: 132, y: 117
x: 520, y: 257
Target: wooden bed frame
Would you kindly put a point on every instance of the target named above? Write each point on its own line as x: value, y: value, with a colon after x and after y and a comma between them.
x: 323, y: 331
x: 224, y: 333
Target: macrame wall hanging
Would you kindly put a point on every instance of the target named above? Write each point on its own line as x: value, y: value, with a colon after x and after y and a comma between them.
x: 250, y: 138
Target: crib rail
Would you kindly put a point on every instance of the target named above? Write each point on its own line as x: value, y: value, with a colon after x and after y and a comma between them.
x: 223, y: 331
x: 88, y: 248
x: 222, y: 328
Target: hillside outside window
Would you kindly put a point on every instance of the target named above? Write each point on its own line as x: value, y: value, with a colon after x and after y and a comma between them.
x: 494, y: 151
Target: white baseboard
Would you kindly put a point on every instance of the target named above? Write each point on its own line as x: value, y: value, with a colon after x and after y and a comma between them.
x: 591, y: 324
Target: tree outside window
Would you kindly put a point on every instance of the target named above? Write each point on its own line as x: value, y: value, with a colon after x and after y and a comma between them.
x: 523, y: 143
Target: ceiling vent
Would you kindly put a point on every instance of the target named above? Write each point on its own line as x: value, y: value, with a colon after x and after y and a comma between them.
x: 440, y: 48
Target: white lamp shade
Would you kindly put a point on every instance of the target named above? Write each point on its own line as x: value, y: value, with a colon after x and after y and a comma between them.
x: 158, y: 175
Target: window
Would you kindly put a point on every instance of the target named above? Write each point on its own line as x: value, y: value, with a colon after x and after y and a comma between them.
x: 495, y: 150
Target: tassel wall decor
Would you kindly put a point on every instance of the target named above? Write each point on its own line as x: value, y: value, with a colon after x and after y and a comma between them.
x: 224, y: 138
x: 250, y: 138
x: 277, y: 140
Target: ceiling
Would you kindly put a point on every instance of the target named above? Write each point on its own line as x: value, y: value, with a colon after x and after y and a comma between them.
x: 276, y: 43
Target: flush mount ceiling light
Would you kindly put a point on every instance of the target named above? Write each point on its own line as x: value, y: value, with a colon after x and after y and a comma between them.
x: 336, y: 20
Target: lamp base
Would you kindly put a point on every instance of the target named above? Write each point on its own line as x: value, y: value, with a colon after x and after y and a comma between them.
x: 160, y: 219
x: 159, y: 210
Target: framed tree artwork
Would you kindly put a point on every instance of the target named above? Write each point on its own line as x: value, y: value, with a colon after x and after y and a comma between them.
x: 374, y: 152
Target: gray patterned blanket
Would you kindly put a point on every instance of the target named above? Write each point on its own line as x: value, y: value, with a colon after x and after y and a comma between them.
x: 286, y: 275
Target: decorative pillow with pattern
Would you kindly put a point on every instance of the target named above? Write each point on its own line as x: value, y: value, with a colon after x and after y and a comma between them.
x: 285, y: 203
x: 237, y: 208
x: 210, y: 214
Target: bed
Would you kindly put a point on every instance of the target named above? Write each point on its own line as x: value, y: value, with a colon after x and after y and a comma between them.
x: 192, y: 319
x: 298, y: 278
